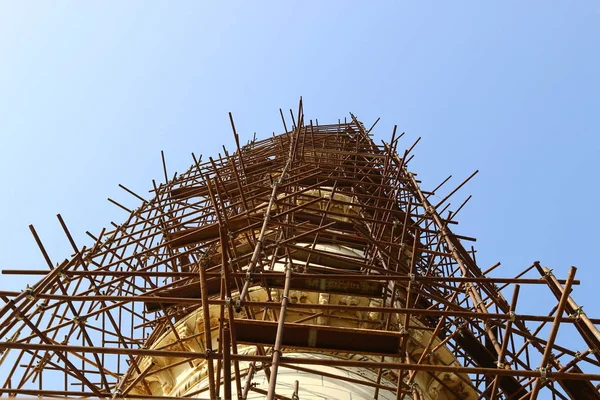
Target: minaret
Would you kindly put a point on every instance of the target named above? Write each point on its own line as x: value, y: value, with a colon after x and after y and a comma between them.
x: 307, y: 265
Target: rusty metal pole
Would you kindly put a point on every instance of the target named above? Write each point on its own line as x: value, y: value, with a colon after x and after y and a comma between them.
x: 267, y: 217
x: 207, y: 330
x: 279, y: 336
x: 553, y: 332
x: 584, y: 325
x: 248, y: 382
x: 226, y: 363
x: 507, y: 332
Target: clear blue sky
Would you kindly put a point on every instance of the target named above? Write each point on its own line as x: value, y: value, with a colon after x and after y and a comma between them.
x: 90, y: 92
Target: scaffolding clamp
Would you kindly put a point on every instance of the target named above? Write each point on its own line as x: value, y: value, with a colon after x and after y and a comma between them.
x: 577, y: 313
x: 412, y: 283
x: 414, y: 386
x: 543, y: 373
x: 62, y: 275
x: 29, y: 293
x: 548, y: 273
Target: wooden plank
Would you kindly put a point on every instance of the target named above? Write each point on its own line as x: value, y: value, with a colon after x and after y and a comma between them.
x: 330, y: 285
x: 319, y: 337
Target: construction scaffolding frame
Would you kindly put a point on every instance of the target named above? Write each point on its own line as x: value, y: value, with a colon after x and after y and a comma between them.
x: 266, y: 216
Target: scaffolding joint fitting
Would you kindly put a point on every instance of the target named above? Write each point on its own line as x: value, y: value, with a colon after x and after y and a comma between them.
x: 411, y: 284
x: 548, y: 273
x: 577, y: 313
x: 543, y: 373
x: 66, y: 278
x: 414, y: 386
x: 512, y: 316
x: 29, y: 293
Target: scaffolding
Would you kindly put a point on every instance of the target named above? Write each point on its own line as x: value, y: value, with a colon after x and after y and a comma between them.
x: 314, y: 251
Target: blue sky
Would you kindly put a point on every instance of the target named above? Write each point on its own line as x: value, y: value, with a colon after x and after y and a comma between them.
x: 91, y: 92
